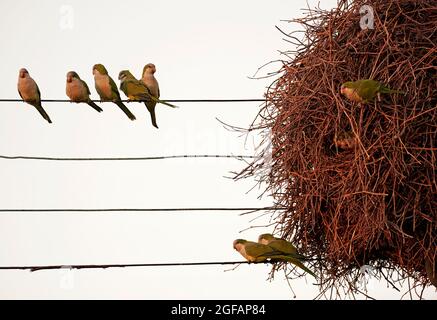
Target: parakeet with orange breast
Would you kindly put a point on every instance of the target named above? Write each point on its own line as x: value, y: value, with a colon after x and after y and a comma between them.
x: 77, y: 90
x: 107, y: 89
x: 29, y: 92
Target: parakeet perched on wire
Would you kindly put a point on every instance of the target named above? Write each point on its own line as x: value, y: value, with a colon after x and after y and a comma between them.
x: 285, y: 247
x: 77, y: 90
x: 257, y: 252
x: 278, y: 244
x: 149, y: 80
x: 107, y: 89
x: 136, y: 90
x: 29, y: 92
x: 364, y: 91
x: 151, y: 84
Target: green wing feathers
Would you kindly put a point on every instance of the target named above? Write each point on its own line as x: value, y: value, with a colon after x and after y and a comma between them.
x: 384, y: 89
x: 86, y: 86
x: 114, y: 89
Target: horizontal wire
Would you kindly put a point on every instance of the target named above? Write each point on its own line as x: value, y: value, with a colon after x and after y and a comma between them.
x: 139, y: 209
x: 174, y: 100
x: 238, y: 157
x: 105, y: 266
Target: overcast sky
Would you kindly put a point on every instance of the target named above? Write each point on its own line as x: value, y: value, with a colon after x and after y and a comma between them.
x: 202, y: 49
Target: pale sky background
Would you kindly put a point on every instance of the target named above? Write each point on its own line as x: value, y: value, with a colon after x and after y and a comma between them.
x: 202, y: 49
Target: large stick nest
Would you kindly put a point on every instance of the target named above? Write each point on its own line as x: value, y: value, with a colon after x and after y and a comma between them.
x: 356, y: 184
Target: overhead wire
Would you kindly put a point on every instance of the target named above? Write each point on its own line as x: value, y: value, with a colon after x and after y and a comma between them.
x: 20, y: 157
x: 249, y: 209
x: 172, y: 100
x: 106, y: 266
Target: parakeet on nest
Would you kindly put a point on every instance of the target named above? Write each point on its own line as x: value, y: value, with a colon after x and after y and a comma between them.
x: 345, y: 140
x: 364, y: 91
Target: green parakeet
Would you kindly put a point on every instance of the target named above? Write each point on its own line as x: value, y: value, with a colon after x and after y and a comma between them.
x: 29, y: 92
x: 285, y: 247
x: 257, y: 252
x: 77, y: 90
x: 278, y: 244
x: 107, y: 89
x: 364, y: 91
x: 136, y: 90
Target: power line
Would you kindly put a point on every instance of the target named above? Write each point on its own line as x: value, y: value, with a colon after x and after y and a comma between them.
x: 174, y: 100
x: 238, y: 157
x: 105, y: 266
x: 139, y: 209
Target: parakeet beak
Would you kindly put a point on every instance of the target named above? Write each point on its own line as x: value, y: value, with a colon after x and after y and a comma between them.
x: 342, y: 89
x: 69, y: 78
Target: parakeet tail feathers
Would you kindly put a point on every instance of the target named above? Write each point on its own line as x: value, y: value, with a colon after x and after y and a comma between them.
x: 384, y: 89
x: 163, y: 102
x: 151, y: 109
x: 125, y: 110
x: 299, y: 256
x: 94, y: 106
x: 153, y: 116
x: 300, y: 265
x: 43, y: 113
